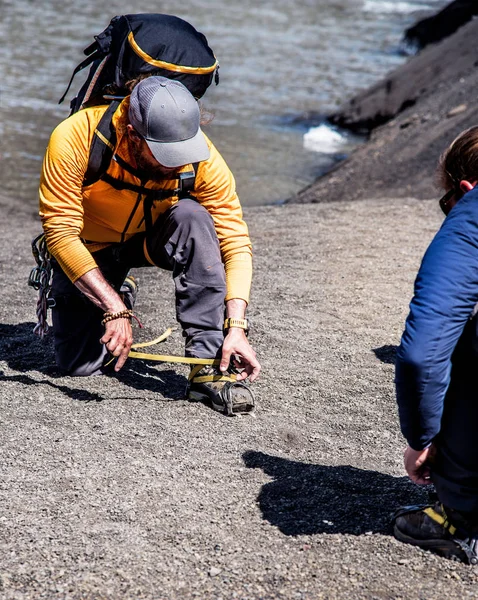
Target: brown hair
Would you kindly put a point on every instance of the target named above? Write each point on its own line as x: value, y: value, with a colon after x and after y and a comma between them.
x: 132, y: 83
x: 460, y: 160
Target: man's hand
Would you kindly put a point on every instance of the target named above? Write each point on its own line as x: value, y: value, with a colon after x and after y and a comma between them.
x: 118, y: 338
x: 417, y: 464
x: 237, y: 345
x: 118, y: 335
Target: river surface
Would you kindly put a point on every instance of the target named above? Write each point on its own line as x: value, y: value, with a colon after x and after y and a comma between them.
x: 280, y: 61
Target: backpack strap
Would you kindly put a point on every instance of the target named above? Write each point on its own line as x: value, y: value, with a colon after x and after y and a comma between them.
x: 88, y: 94
x: 102, y: 152
x: 102, y: 146
x: 95, y: 53
x: 139, y: 189
x: 187, y: 181
x: 88, y: 60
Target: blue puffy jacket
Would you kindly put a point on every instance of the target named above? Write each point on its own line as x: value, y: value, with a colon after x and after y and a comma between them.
x: 446, y: 291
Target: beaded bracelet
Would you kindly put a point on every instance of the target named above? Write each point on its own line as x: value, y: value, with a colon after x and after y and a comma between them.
x: 122, y: 314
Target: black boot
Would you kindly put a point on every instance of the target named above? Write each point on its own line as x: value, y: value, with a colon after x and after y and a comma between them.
x: 430, y: 528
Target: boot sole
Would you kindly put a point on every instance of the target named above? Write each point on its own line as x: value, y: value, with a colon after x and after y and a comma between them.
x: 238, y: 408
x: 445, y: 548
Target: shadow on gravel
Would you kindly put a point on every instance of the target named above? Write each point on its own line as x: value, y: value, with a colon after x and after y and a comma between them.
x: 139, y: 375
x: 387, y: 354
x: 23, y: 351
x: 74, y: 394
x: 305, y: 499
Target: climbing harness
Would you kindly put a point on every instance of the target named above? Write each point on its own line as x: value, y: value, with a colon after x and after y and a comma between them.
x: 40, y: 279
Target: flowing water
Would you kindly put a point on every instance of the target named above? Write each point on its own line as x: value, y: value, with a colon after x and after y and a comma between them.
x: 281, y: 60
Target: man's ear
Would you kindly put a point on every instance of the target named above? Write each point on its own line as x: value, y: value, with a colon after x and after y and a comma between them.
x: 466, y: 186
x: 132, y: 133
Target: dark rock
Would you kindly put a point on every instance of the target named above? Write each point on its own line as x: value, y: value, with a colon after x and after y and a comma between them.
x: 422, y: 75
x: 430, y: 100
x: 439, y: 26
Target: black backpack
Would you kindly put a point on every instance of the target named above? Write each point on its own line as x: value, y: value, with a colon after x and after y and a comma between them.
x: 132, y: 45
x: 144, y: 43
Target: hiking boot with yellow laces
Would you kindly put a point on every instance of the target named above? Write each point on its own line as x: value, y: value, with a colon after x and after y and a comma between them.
x: 430, y: 528
x: 221, y: 390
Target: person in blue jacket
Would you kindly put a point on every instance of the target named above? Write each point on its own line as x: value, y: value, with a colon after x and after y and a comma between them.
x: 437, y: 370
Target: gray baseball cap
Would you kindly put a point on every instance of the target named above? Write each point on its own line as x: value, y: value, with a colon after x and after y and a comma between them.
x: 167, y: 116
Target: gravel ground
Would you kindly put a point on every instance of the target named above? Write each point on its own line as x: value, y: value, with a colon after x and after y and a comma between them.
x: 117, y: 487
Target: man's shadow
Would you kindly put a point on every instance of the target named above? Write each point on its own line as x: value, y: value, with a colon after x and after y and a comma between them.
x: 305, y: 499
x: 23, y: 351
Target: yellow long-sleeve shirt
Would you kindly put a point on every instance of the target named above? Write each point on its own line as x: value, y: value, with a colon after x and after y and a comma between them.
x: 99, y: 213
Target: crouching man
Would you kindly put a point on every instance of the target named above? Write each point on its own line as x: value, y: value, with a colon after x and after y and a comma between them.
x: 166, y: 198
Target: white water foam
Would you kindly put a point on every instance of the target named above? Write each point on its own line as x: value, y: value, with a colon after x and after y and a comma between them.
x: 324, y: 139
x: 380, y: 6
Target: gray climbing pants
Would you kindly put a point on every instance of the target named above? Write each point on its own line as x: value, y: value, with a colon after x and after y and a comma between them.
x: 182, y: 240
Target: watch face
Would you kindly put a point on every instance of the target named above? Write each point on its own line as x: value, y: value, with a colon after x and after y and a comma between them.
x: 232, y: 322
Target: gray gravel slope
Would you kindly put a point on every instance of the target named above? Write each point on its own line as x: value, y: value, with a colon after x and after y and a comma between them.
x: 118, y: 488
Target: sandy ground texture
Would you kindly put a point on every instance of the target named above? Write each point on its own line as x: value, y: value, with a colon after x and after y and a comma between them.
x: 424, y: 105
x: 118, y: 488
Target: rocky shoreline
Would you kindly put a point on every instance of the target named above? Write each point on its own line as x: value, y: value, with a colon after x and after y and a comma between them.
x: 412, y: 115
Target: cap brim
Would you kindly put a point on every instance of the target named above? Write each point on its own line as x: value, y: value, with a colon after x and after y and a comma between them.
x: 178, y: 154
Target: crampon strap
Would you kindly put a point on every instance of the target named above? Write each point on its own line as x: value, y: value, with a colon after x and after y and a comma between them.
x: 230, y: 382
x: 227, y: 395
x: 187, y: 360
x: 226, y: 392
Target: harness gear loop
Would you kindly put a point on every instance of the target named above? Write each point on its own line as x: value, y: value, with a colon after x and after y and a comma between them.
x: 40, y: 279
